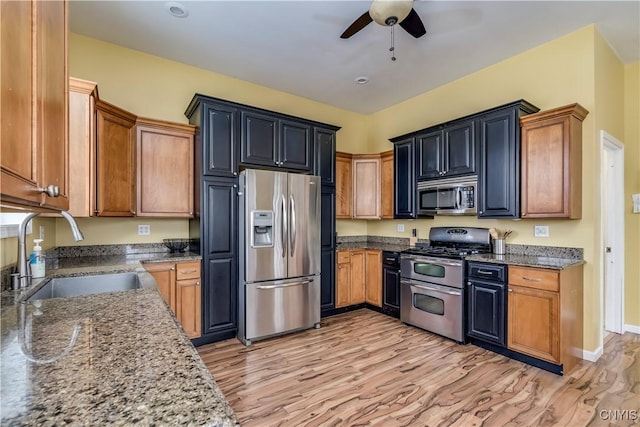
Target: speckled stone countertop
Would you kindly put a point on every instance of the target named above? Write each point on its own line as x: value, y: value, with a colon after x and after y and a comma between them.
x: 553, y: 263
x: 392, y: 244
x: 116, y: 358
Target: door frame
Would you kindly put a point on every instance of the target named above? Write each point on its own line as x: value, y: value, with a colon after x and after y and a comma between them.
x: 611, y: 308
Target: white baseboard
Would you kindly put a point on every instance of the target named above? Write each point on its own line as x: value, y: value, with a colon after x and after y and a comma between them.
x: 631, y: 328
x: 592, y: 356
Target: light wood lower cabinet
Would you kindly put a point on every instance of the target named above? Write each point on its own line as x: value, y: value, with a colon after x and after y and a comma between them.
x: 179, y: 285
x: 358, y: 277
x: 545, y: 314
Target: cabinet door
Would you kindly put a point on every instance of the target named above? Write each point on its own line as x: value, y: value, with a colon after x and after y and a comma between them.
x: 391, y: 288
x: 386, y: 184
x: 366, y: 187
x: 327, y: 218
x: 344, y: 175
x: 220, y: 140
x: 82, y: 147
x: 295, y: 146
x: 499, y: 177
x: 259, y: 140
x: 343, y: 278
x: 327, y: 279
x: 404, y: 190
x: 358, y: 274
x: 165, y: 276
x: 533, y: 322
x: 188, y: 296
x: 460, y: 149
x: 220, y: 296
x: 373, y: 277
x: 220, y: 277
x: 51, y: 100
x: 19, y: 149
x: 325, y: 155
x: 164, y: 170
x: 115, y: 161
x: 486, y: 315
x: 430, y: 155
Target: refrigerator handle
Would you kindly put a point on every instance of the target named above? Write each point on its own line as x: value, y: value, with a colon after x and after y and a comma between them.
x: 283, y: 228
x: 293, y: 224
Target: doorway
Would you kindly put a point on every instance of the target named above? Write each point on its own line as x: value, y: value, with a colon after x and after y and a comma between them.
x: 612, y: 235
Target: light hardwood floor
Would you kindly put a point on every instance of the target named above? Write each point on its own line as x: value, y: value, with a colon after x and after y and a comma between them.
x: 365, y: 368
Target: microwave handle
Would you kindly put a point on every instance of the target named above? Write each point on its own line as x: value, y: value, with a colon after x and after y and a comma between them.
x: 458, y: 198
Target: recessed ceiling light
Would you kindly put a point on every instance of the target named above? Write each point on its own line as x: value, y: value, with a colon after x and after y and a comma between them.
x: 362, y: 80
x: 176, y: 9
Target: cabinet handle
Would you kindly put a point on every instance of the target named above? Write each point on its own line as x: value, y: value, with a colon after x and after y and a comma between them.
x: 50, y: 190
x: 188, y: 271
x: 484, y: 272
x: 531, y: 279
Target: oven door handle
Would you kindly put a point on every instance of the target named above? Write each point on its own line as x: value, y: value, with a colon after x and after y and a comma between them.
x: 428, y: 288
x: 432, y: 260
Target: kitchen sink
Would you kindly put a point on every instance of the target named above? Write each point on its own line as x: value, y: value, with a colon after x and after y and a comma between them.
x: 65, y: 287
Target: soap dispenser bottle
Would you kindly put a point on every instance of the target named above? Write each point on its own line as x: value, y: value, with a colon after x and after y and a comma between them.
x: 37, y: 260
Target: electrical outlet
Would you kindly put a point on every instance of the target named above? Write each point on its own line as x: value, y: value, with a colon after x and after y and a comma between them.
x: 636, y: 202
x: 400, y: 228
x: 144, y: 230
x: 541, y: 231
x: 42, y: 232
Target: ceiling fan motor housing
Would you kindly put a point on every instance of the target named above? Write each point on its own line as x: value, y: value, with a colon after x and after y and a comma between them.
x: 390, y: 12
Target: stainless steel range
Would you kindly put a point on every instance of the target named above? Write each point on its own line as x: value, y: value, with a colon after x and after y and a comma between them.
x: 432, y: 279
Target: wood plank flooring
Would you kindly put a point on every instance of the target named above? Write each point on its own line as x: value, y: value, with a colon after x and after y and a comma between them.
x: 365, y: 368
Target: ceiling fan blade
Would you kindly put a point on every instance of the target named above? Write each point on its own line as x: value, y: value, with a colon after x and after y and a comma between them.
x: 413, y: 25
x: 357, y: 25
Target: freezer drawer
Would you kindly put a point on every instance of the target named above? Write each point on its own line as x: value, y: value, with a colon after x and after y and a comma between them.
x: 281, y: 306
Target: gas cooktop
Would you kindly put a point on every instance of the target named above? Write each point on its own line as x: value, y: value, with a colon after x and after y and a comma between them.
x: 454, y: 242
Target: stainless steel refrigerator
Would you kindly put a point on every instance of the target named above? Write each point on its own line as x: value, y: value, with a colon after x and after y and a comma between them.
x: 279, y: 253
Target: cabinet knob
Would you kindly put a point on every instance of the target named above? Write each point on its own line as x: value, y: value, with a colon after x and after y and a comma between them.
x: 50, y: 190
x: 197, y: 283
x: 510, y: 290
x: 235, y: 174
x: 172, y: 268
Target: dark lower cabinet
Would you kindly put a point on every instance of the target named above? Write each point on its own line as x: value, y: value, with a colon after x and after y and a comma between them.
x: 487, y: 302
x: 327, y: 281
x: 391, y: 283
x: 219, y: 250
x: 328, y: 250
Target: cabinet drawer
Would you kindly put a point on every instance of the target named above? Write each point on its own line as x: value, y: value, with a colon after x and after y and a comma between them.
x: 343, y: 257
x: 492, y: 272
x: 188, y: 270
x: 536, y: 278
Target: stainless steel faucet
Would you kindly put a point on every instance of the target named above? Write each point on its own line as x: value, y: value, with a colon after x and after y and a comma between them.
x: 24, y: 272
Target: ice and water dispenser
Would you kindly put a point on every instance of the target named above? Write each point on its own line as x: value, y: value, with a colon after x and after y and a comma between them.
x: 261, y: 229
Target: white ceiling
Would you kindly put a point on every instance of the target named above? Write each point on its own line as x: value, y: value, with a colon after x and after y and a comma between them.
x: 295, y: 46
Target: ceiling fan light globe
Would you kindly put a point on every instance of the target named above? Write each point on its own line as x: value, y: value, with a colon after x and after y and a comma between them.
x: 382, y: 10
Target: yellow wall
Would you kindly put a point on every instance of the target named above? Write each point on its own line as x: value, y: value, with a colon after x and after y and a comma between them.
x: 632, y: 186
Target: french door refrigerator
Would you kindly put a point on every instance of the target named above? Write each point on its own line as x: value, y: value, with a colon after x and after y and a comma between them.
x: 279, y: 253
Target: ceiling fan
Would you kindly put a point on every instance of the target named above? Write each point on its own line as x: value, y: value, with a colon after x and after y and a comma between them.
x: 388, y: 13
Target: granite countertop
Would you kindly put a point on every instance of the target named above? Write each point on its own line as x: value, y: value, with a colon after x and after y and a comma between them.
x: 129, y: 363
x: 371, y: 245
x: 554, y: 263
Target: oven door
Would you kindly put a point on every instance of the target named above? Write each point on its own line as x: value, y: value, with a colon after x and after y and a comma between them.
x: 441, y: 271
x: 435, y: 308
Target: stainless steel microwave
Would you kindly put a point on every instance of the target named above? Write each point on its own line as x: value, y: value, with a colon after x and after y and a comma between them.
x: 453, y: 196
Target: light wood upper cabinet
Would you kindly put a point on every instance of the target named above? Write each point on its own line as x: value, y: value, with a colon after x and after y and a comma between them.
x: 552, y: 163
x: 115, y: 161
x: 164, y: 158
x: 386, y: 184
x: 343, y: 185
x: 179, y: 285
x: 373, y: 280
x: 82, y: 147
x: 545, y: 317
x: 33, y: 49
x: 366, y: 186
